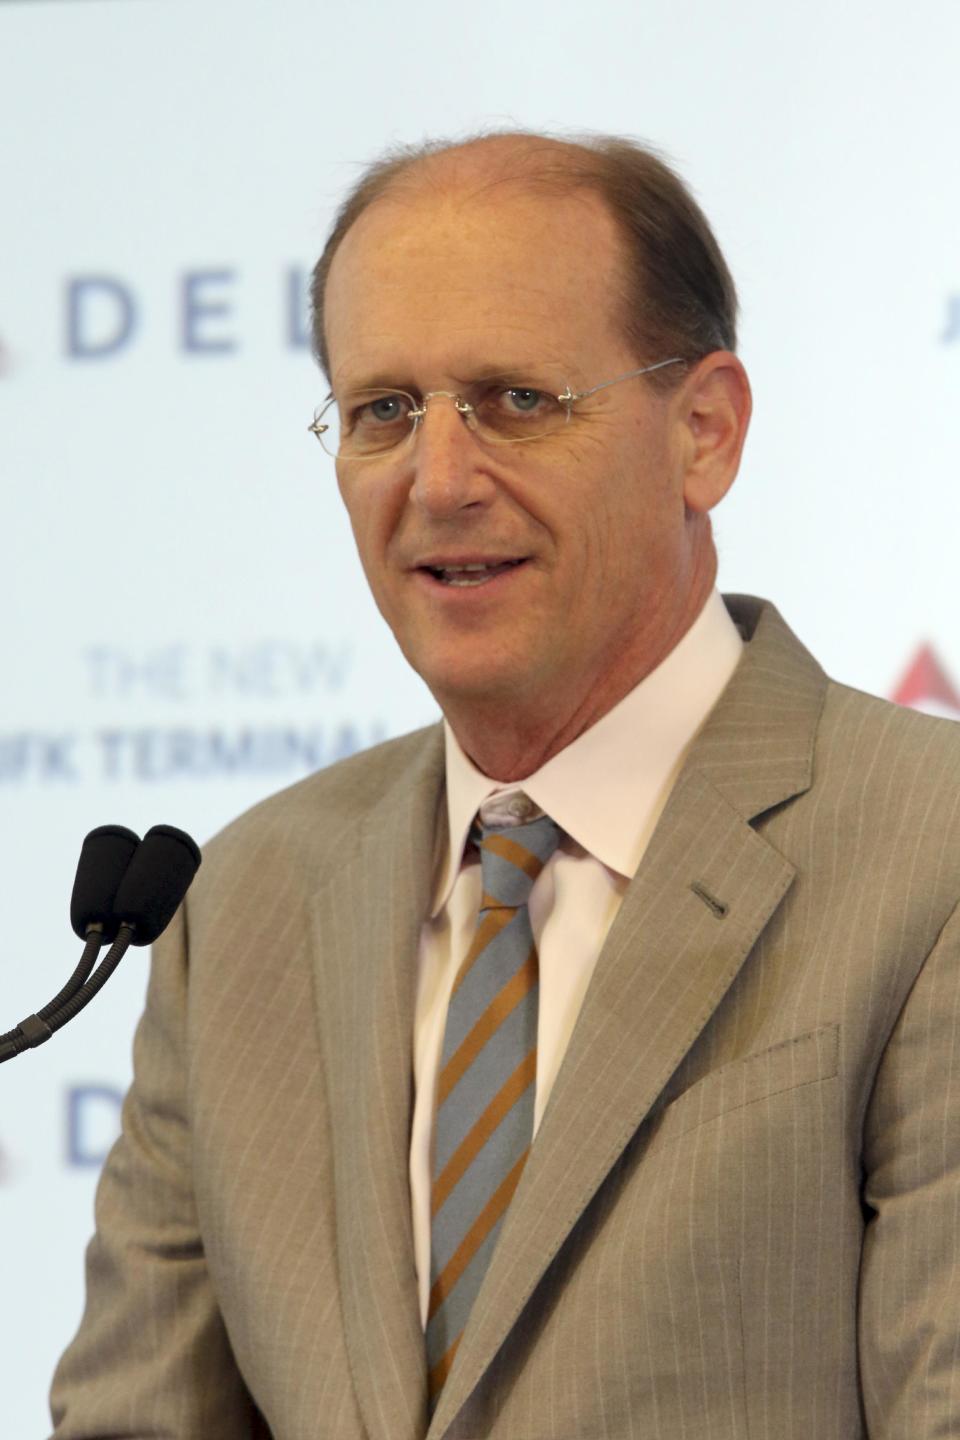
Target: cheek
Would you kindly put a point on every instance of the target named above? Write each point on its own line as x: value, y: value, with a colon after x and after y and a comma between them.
x: 630, y: 536
x: 606, y: 513
x: 369, y: 519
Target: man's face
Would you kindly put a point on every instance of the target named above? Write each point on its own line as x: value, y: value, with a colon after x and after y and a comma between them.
x: 433, y: 293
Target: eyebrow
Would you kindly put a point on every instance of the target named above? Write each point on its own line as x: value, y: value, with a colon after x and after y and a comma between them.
x: 382, y: 380
x: 373, y: 382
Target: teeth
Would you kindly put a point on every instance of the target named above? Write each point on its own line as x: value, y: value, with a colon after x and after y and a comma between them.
x: 472, y: 574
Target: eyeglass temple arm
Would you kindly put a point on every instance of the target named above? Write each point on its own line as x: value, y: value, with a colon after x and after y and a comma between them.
x: 318, y: 427
x: 568, y: 396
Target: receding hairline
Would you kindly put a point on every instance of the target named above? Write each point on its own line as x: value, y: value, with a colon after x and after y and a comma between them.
x: 485, y: 164
x: 613, y: 170
x: 505, y: 166
x: 500, y: 158
x: 425, y: 186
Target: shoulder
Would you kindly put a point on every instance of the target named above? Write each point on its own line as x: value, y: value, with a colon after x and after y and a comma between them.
x: 866, y: 744
x: 309, y: 823
x: 878, y: 783
x: 858, y: 716
x: 781, y: 694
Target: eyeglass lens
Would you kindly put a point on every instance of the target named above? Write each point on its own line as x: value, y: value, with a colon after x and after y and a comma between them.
x: 371, y: 422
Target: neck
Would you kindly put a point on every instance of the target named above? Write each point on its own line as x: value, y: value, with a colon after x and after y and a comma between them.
x: 510, y: 736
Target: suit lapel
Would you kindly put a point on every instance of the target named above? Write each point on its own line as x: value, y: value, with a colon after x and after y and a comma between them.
x: 707, y: 886
x: 366, y: 929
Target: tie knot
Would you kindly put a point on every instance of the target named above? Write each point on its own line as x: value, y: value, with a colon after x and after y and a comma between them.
x: 511, y: 858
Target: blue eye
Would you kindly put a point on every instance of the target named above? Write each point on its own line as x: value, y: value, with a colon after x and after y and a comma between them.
x: 386, y: 408
x: 524, y: 399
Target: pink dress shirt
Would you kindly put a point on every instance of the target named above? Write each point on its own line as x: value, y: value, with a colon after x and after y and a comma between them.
x: 606, y: 791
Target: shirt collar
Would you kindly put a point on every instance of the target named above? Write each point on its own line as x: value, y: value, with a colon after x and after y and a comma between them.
x: 607, y: 788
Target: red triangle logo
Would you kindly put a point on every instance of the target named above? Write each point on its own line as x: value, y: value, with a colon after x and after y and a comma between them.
x: 926, y: 682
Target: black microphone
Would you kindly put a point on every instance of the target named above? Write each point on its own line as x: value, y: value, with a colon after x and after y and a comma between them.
x: 156, y: 880
x: 104, y: 858
x: 126, y: 890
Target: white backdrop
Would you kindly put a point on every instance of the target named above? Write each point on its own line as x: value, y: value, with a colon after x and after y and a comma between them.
x: 187, y: 628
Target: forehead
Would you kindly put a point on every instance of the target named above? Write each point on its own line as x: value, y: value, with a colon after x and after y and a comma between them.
x: 453, y: 282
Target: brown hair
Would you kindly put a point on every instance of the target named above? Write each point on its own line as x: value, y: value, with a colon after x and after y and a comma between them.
x: 677, y: 296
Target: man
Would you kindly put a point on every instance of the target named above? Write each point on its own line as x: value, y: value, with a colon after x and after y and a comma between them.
x: 730, y: 1012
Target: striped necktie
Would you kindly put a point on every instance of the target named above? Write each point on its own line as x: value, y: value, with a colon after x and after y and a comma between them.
x: 486, y: 1085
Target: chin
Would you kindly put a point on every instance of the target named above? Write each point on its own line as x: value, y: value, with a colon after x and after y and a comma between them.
x: 470, y: 683
x: 470, y: 667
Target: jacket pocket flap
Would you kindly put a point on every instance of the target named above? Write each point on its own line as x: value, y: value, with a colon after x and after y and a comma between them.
x: 802, y: 1060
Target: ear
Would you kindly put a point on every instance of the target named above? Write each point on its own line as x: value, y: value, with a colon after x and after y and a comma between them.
x: 716, y: 410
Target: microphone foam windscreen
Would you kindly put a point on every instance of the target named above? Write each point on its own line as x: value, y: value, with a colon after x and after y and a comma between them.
x: 104, y: 857
x: 158, y: 878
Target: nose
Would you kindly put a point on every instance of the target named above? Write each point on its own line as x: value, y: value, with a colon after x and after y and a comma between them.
x: 448, y: 465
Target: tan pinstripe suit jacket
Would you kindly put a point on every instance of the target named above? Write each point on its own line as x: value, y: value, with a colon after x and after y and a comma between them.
x: 741, y: 1217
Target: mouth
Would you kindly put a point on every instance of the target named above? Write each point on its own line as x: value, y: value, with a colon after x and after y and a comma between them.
x: 474, y: 573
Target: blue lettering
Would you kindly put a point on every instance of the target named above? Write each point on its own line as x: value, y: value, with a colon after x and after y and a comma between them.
x: 164, y: 755
x: 160, y: 672
x: 319, y: 666
x: 951, y: 333
x: 274, y: 668
x: 93, y: 1122
x: 101, y: 316
x: 298, y: 308
x: 199, y: 308
x: 35, y: 755
x: 111, y: 742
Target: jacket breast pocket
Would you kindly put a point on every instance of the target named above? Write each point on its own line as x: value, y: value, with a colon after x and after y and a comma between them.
x: 801, y: 1060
